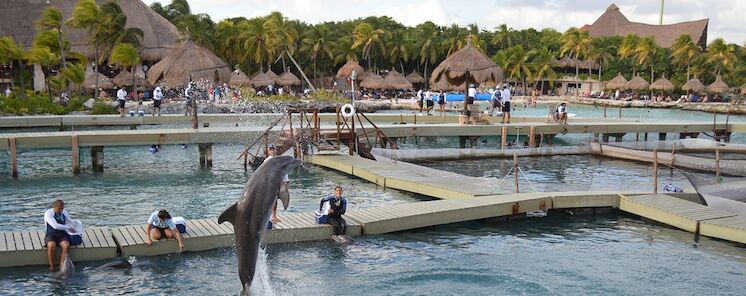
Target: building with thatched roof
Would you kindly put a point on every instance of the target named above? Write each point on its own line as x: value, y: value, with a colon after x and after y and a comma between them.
x: 373, y: 81
x: 693, y: 85
x: 662, y: 84
x: 618, y: 82
x: 18, y: 20
x: 613, y: 23
x: 272, y: 75
x: 743, y: 90
x: 346, y: 69
x: 261, y: 80
x: 238, y: 77
x: 189, y: 61
x: 718, y: 86
x: 415, y: 77
x: 637, y: 83
x: 287, y: 79
x: 127, y: 78
x: 394, y: 80
x: 103, y: 82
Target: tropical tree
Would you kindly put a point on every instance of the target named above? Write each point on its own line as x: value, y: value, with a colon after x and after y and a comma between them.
x: 74, y: 74
x: 125, y: 55
x: 116, y: 30
x: 645, y: 52
x: 601, y: 54
x: 427, y: 44
x: 454, y: 38
x: 282, y: 35
x: 11, y: 53
x: 541, y: 66
x: 44, y: 57
x: 228, y: 40
x: 684, y: 51
x: 343, y: 50
x: 315, y: 45
x: 198, y: 27
x: 575, y: 43
x: 519, y: 61
x: 51, y: 19
x: 399, y: 44
x: 368, y: 37
x: 503, y: 36
x: 628, y: 48
x: 722, y: 55
x: 256, y: 41
x: 175, y: 9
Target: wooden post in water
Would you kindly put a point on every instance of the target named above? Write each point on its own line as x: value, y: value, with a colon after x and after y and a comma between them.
x: 532, y: 137
x: 97, y: 159
x: 515, y: 170
x: 673, y: 154
x: 76, y: 155
x: 13, y: 158
x: 245, y: 162
x: 620, y: 112
x: 504, y: 137
x: 655, y: 170
x: 195, y: 119
x: 714, y: 127
x: 717, y: 164
x: 604, y: 110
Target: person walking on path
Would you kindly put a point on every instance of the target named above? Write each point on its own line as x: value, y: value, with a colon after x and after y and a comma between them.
x: 505, y: 97
x: 121, y: 100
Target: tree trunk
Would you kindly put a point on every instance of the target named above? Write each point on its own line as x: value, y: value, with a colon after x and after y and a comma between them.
x: 315, y: 78
x: 426, y: 81
x: 95, y: 73
x: 687, y: 71
x: 62, y: 49
x: 401, y: 65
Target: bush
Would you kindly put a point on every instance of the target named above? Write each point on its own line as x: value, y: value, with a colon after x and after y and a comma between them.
x: 38, y: 104
x: 100, y: 108
x: 323, y: 95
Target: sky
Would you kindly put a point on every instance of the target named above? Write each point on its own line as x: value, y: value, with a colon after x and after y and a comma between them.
x: 726, y: 16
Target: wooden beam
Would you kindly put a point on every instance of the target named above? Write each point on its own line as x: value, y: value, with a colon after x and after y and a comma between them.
x: 76, y: 155
x: 13, y: 157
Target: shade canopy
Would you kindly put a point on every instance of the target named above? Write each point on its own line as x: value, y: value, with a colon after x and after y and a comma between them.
x: 743, y: 90
x: 394, y: 80
x: 103, y: 82
x: 272, y: 75
x: 662, y: 84
x: 468, y: 65
x: 373, y: 81
x: 346, y: 70
x: 415, y: 77
x: 125, y: 78
x: 189, y: 61
x: 261, y: 80
x: 618, y: 82
x: 637, y: 83
x: 693, y: 85
x: 718, y: 86
x: 287, y: 79
x: 238, y: 77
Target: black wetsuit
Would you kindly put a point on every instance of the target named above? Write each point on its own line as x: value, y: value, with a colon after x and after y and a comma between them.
x: 339, y: 206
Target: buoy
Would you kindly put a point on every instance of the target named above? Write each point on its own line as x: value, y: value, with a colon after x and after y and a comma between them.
x: 348, y: 110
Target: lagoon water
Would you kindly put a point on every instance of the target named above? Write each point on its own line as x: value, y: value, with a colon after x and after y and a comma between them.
x: 606, y: 254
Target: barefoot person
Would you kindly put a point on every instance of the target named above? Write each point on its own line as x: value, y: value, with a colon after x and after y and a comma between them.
x: 284, y: 193
x: 161, y: 225
x: 56, y: 220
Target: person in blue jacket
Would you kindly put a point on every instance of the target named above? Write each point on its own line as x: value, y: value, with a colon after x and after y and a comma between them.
x: 338, y: 208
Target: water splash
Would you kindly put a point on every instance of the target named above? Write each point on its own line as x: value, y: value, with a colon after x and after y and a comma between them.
x: 262, y: 285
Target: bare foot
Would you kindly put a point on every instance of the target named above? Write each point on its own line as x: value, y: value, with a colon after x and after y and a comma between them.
x: 51, y: 268
x: 276, y: 219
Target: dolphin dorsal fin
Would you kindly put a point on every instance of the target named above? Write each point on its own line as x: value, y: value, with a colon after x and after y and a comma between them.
x: 228, y: 215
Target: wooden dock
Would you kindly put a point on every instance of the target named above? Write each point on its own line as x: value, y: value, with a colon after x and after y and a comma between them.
x: 471, y: 153
x: 22, y: 248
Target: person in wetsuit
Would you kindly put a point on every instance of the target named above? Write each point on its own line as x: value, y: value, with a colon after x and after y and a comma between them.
x: 56, y: 220
x: 338, y: 208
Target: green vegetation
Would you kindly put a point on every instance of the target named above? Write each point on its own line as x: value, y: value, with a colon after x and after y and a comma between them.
x: 33, y: 104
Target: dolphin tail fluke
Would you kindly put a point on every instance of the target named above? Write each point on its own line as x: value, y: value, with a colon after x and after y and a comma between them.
x: 228, y: 215
x: 246, y: 290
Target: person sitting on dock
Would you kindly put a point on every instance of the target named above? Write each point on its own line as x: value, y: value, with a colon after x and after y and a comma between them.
x: 338, y: 208
x: 562, y: 113
x: 284, y: 187
x: 161, y: 225
x: 56, y: 219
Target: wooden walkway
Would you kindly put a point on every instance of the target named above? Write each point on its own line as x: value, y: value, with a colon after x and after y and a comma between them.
x: 686, y: 215
x: 408, y: 177
x: 471, y: 153
x: 27, y: 247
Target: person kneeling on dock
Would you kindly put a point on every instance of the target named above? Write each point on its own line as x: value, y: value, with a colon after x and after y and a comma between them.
x: 161, y: 225
x: 58, y: 224
x: 562, y: 113
x: 337, y: 208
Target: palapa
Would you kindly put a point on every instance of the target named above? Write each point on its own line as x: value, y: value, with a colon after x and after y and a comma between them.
x: 394, y: 80
x: 346, y: 70
x: 743, y: 90
x: 693, y: 85
x: 440, y: 85
x: 415, y: 77
x: 261, y: 80
x: 637, y: 83
x: 468, y: 65
x: 373, y: 81
x: 662, y: 84
x: 238, y: 77
x: 287, y: 79
x: 125, y: 78
x: 718, y: 86
x: 588, y: 64
x: 103, y: 82
x: 618, y: 82
x: 187, y: 61
x: 568, y: 62
x: 272, y: 75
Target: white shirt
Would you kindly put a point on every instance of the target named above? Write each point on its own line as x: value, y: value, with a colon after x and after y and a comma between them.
x: 494, y: 95
x: 157, y: 94
x: 419, y: 94
x: 49, y: 219
x: 429, y: 95
x: 187, y: 91
x: 472, y: 92
x: 505, y: 95
x: 121, y: 95
x: 285, y: 178
x: 561, y: 109
x: 7, y: 92
x: 156, y: 222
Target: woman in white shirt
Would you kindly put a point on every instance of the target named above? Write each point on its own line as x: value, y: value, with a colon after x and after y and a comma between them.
x: 161, y: 225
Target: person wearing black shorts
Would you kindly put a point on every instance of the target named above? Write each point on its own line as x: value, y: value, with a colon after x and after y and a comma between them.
x: 56, y: 220
x: 505, y: 96
x: 471, y: 95
x: 442, y: 102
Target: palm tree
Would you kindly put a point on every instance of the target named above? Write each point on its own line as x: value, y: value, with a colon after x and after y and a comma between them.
x: 43, y: 56
x: 600, y: 54
x: 503, y: 36
x: 125, y: 55
x: 518, y: 59
x: 541, y: 66
x: 51, y: 19
x: 427, y: 42
x: 199, y: 27
x: 454, y: 38
x: 369, y: 37
x: 343, y: 50
x: 10, y: 53
x: 575, y: 43
x: 256, y: 41
x: 721, y: 54
x: 684, y: 51
x: 645, y: 52
x: 628, y: 47
x: 88, y: 15
x: 314, y: 44
x: 400, y: 46
x: 282, y: 34
x: 228, y: 38
x: 75, y: 74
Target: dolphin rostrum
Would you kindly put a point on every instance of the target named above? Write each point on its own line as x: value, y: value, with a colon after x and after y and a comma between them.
x: 251, y: 213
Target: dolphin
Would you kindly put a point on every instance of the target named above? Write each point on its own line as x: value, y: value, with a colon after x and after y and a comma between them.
x: 67, y: 267
x: 251, y: 213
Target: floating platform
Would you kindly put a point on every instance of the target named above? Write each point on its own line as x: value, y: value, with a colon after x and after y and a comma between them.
x: 22, y: 248
x: 470, y: 153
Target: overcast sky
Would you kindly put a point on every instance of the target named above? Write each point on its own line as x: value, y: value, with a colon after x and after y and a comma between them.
x: 726, y: 16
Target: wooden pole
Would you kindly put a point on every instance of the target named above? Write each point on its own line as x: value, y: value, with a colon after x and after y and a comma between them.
x: 605, y: 110
x: 504, y: 136
x: 532, y: 137
x: 515, y: 171
x: 714, y: 126
x: 620, y: 112
x: 673, y: 154
x: 655, y: 170
x: 717, y: 164
x: 195, y: 119
x: 13, y: 158
x: 76, y: 154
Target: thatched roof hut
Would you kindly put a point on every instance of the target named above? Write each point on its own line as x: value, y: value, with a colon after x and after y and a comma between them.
x: 718, y: 86
x: 468, y: 65
x: 415, y: 77
x: 662, y: 84
x: 567, y: 62
x: 18, y: 20
x: 272, y: 75
x: 125, y: 78
x: 187, y: 61
x: 238, y: 77
x: 346, y: 70
x: 261, y: 80
x: 637, y: 83
x: 588, y: 64
x: 373, y: 81
x: 693, y: 85
x: 287, y: 79
x: 103, y: 82
x: 394, y: 80
x: 743, y: 90
x: 440, y: 85
x: 618, y: 82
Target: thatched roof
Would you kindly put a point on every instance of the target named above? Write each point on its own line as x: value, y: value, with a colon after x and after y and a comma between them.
x: 614, y: 23
x: 261, y: 80
x: 189, y: 60
x: 637, y: 83
x: 662, y: 84
x: 743, y: 90
x: 718, y: 86
x: 588, y: 64
x: 415, y: 77
x: 373, y: 81
x: 238, y: 77
x: 103, y: 82
x: 467, y: 60
x: 125, y: 78
x: 567, y: 62
x: 693, y: 85
x: 394, y: 80
x: 287, y: 79
x: 346, y: 70
x: 18, y: 20
x: 618, y: 82
x: 272, y: 75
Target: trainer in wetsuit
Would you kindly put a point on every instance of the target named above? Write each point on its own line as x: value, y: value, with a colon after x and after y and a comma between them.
x: 55, y: 220
x: 338, y: 207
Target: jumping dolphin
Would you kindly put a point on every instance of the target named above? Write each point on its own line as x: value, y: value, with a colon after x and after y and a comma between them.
x: 251, y: 213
